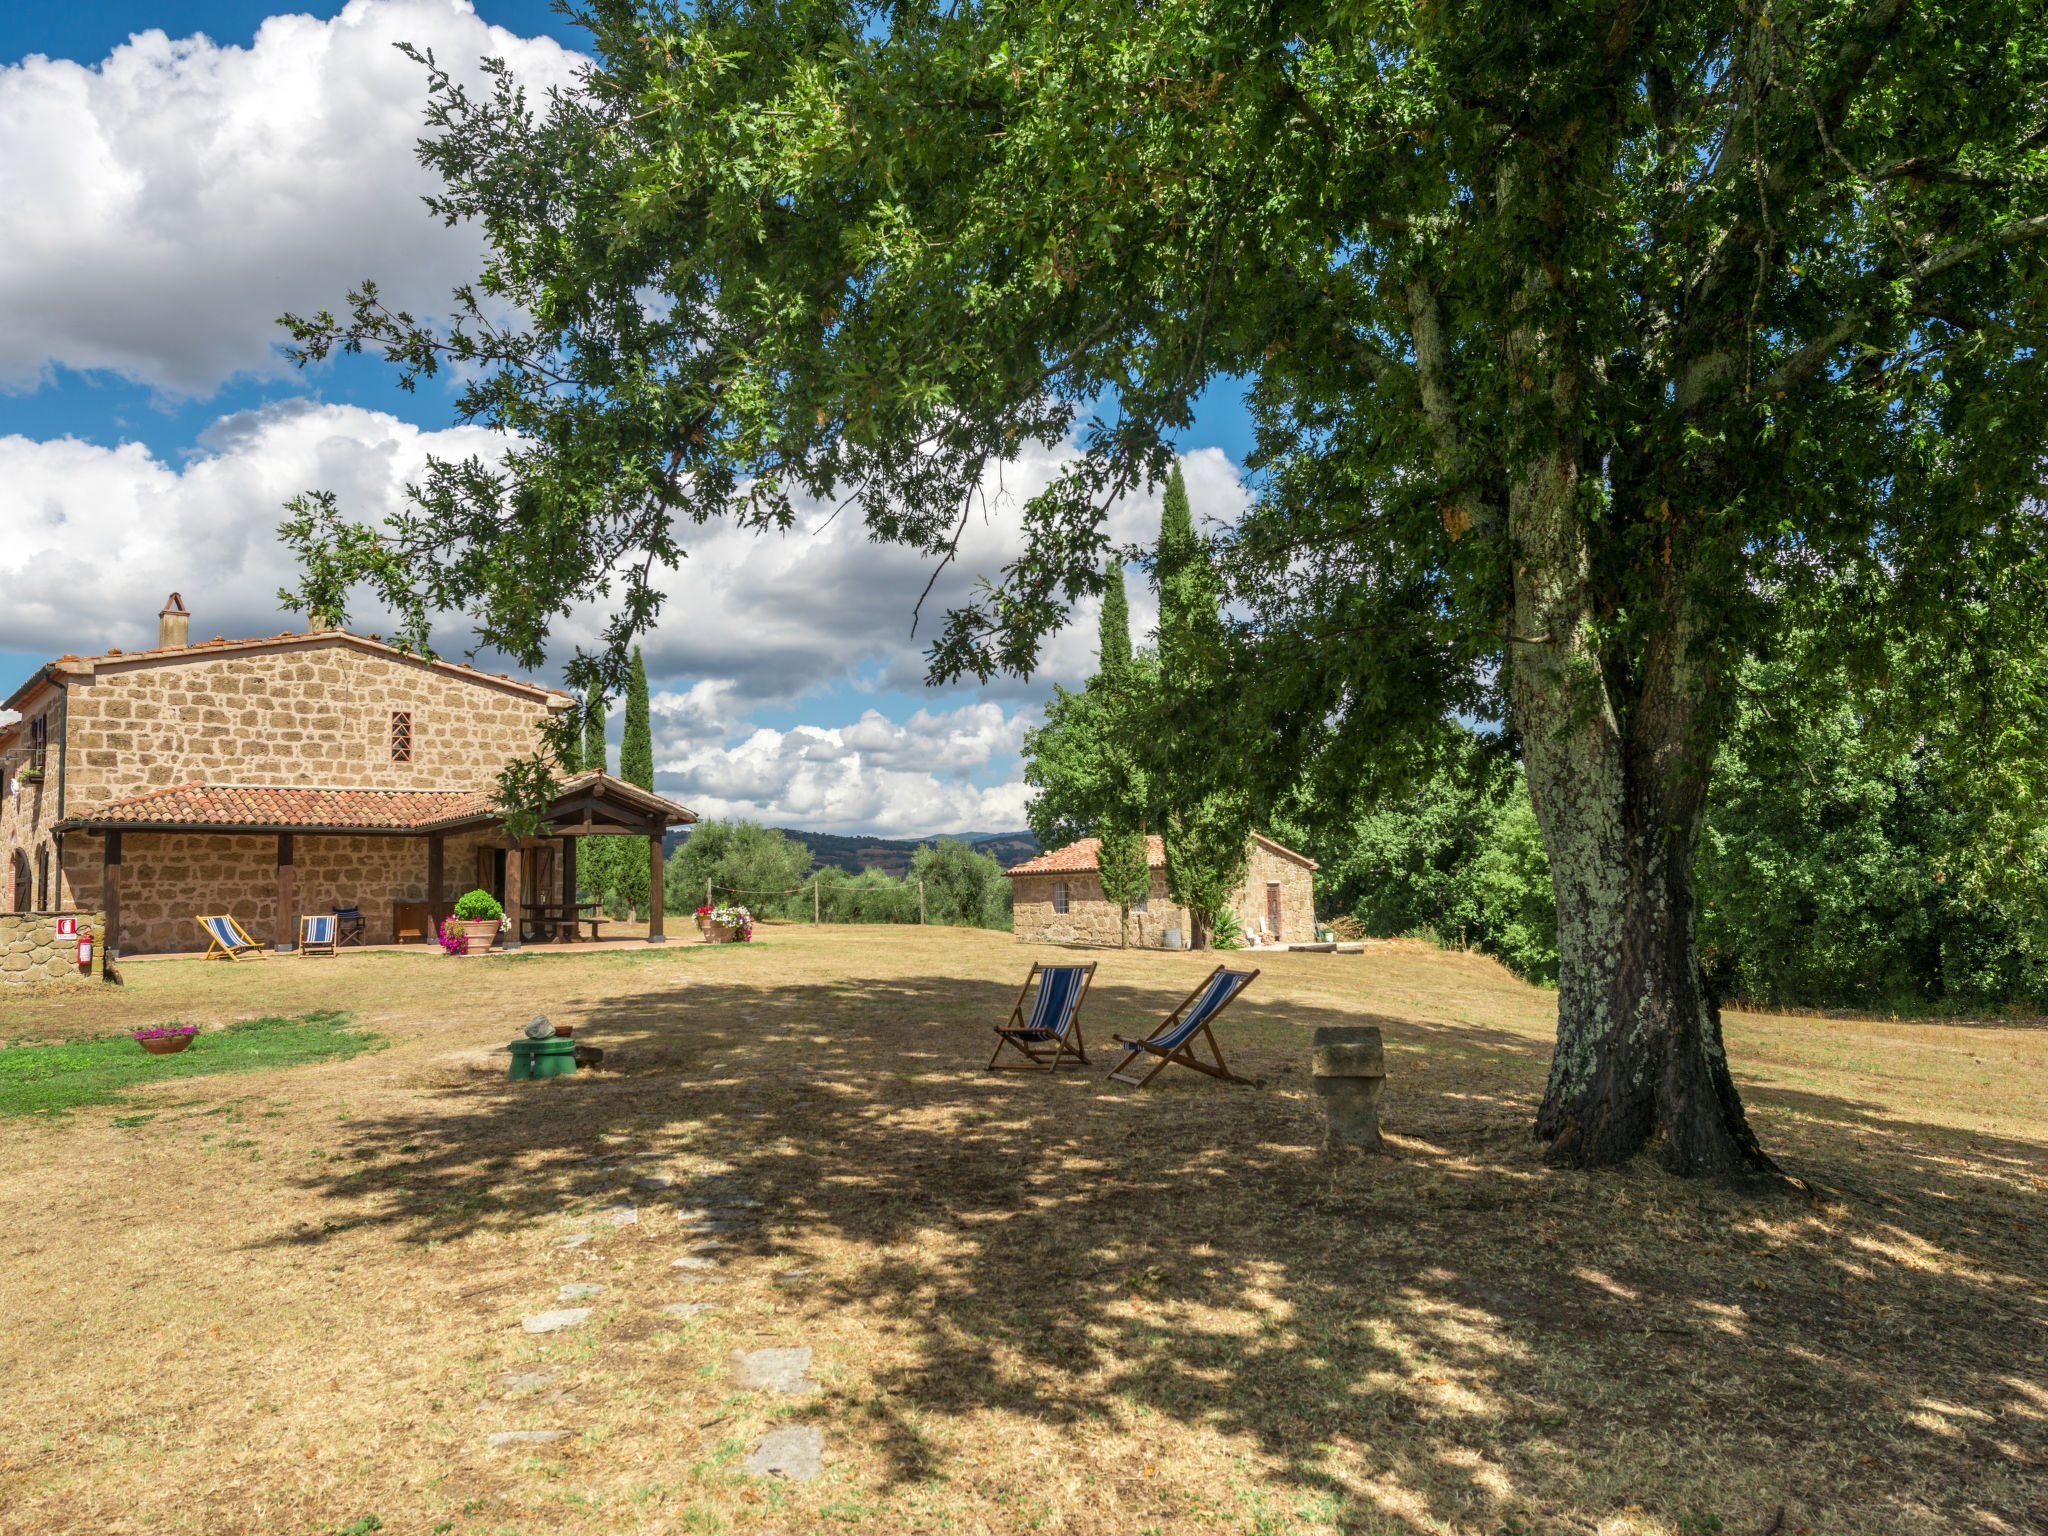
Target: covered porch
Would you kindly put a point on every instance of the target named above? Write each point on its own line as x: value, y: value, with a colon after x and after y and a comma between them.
x: 266, y: 855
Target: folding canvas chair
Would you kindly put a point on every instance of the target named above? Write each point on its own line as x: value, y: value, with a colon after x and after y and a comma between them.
x: 1053, y: 1030
x: 229, y: 942
x: 316, y: 936
x: 348, y: 925
x: 1175, y: 1038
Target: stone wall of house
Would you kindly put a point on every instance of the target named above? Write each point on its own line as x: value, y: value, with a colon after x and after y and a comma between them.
x: 170, y: 879
x: 30, y: 949
x: 28, y: 810
x: 1090, y: 919
x: 1297, y: 896
x: 303, y: 714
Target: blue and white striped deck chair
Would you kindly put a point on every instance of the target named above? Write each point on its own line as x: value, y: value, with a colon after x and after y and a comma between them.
x: 1052, y: 1032
x: 316, y: 935
x: 1175, y: 1038
x: 229, y: 942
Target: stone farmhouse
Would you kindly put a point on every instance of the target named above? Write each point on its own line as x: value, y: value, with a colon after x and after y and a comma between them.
x: 1057, y: 896
x: 286, y: 775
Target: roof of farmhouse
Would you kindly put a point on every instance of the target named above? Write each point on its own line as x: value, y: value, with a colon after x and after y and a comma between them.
x: 301, y: 808
x: 1078, y: 858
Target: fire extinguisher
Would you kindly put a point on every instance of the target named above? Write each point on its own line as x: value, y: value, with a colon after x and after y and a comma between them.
x: 85, y: 950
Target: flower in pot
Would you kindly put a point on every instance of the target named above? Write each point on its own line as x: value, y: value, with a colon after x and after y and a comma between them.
x: 454, y: 936
x: 729, y: 924
x: 167, y: 1040
x: 480, y: 914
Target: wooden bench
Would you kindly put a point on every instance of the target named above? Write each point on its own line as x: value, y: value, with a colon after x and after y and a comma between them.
x: 409, y: 921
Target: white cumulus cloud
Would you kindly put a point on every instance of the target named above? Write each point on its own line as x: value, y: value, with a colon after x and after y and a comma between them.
x: 160, y: 209
x: 909, y: 779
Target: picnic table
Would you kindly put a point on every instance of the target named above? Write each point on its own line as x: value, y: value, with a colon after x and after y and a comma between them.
x: 563, y: 921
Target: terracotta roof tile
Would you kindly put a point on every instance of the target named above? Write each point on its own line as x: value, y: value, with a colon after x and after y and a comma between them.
x: 314, y: 807
x: 1079, y: 858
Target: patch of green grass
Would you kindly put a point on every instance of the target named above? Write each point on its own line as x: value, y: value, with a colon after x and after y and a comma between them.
x: 36, y: 1079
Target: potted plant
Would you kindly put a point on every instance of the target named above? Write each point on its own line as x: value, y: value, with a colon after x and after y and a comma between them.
x: 704, y: 922
x: 453, y: 936
x: 480, y: 916
x: 166, y: 1041
x: 30, y: 776
x: 729, y: 924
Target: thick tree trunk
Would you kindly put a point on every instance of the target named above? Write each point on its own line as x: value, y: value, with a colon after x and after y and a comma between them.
x: 1619, y: 796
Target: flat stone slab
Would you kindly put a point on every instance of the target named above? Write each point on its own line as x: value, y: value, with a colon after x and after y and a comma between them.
x: 573, y: 1242
x: 700, y: 1279
x: 773, y: 1370
x: 797, y: 1453
x: 529, y: 1436
x: 709, y: 1245
x: 686, y: 1308
x: 580, y: 1290
x: 525, y: 1381
x: 657, y: 1181
x: 701, y: 1224
x: 691, y: 1261
x: 556, y: 1321
x: 791, y: 1276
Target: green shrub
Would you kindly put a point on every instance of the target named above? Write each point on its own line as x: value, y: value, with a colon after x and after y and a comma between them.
x: 478, y: 906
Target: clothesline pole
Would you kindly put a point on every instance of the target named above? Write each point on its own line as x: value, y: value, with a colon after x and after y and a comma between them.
x: 814, y: 903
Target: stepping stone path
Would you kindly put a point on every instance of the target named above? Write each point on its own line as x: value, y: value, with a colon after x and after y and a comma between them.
x: 529, y: 1436
x: 709, y: 1245
x: 773, y: 1370
x: 691, y: 1261
x: 790, y: 1276
x: 555, y: 1322
x: 797, y: 1453
x: 579, y: 1291
x: 686, y: 1308
x: 573, y: 1242
x: 700, y: 1224
x: 525, y: 1381
x: 656, y: 1181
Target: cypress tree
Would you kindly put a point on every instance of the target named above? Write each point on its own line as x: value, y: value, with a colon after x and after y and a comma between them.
x: 1115, y: 647
x: 636, y: 752
x: 593, y: 733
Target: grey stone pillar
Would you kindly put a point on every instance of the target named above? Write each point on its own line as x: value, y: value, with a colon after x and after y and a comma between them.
x: 1350, y: 1067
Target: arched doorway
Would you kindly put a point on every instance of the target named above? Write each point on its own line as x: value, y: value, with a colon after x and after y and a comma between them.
x: 21, y: 885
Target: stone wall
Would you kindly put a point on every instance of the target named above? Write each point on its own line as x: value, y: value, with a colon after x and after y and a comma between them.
x: 1089, y: 919
x: 170, y: 879
x: 299, y: 715
x: 30, y: 949
x: 1297, y: 896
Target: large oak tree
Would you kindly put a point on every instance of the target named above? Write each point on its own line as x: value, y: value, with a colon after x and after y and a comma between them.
x: 1593, y: 345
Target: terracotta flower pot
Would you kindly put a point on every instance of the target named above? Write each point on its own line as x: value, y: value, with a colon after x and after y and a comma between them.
x: 721, y: 933
x: 482, y: 932
x: 565, y: 1031
x: 165, y: 1045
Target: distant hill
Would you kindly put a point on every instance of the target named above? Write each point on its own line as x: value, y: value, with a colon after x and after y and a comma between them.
x: 891, y: 855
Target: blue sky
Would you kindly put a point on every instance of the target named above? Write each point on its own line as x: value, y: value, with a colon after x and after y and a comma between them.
x: 169, y: 196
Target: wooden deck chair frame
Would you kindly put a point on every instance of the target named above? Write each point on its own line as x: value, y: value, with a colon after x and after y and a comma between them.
x: 243, y: 946
x: 1016, y: 1034
x: 1136, y: 1051
x: 308, y: 945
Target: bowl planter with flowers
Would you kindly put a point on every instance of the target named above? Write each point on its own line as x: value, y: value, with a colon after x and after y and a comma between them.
x: 728, y: 925
x: 479, y: 917
x: 167, y: 1041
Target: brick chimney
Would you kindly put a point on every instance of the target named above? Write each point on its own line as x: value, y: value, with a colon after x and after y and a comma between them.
x: 173, y: 624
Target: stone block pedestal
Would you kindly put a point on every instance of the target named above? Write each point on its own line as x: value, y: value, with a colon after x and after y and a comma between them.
x: 1350, y: 1070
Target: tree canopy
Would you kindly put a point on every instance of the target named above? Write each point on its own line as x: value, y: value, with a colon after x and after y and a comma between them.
x: 1593, y: 348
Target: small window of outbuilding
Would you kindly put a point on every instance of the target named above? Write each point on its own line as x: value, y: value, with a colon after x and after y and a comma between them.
x: 38, y: 741
x: 401, y: 736
x: 1059, y: 896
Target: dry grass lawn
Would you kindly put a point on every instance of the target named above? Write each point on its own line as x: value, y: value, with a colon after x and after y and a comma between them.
x: 290, y: 1302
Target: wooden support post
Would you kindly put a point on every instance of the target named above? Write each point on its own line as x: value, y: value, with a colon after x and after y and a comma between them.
x: 110, y: 895
x: 285, y: 936
x: 437, y: 875
x: 512, y: 894
x: 569, y: 907
x: 920, y: 903
x: 814, y: 903
x: 655, y: 935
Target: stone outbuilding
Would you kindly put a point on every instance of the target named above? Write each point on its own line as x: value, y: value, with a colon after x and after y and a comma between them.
x: 285, y: 775
x: 1057, y: 897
